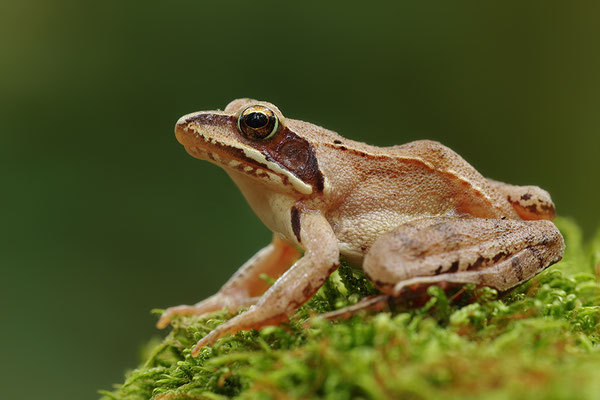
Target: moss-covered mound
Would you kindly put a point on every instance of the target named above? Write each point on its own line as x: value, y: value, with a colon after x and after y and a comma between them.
x: 541, y: 340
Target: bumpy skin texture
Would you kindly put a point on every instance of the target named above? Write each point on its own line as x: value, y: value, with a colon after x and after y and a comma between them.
x: 410, y: 215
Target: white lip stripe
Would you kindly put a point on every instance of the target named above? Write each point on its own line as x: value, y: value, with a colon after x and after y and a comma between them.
x: 259, y: 157
x: 296, y: 182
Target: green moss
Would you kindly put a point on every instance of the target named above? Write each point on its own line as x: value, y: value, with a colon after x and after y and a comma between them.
x: 539, y: 341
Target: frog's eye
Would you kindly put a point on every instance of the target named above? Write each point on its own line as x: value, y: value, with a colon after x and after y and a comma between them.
x: 258, y: 123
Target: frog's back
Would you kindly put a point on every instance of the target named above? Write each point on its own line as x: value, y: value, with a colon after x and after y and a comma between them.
x: 420, y: 178
x: 471, y: 191
x: 394, y: 185
x: 438, y: 157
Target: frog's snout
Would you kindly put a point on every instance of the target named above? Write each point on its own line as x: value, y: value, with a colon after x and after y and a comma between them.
x: 180, y: 129
x: 181, y: 121
x: 189, y: 126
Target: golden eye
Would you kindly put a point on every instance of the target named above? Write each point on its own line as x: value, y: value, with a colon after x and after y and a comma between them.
x: 258, y: 123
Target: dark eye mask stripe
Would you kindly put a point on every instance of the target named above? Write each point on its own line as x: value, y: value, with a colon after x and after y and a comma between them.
x: 286, y: 149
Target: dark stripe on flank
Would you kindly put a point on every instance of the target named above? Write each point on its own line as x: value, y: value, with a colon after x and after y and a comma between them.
x: 296, y: 223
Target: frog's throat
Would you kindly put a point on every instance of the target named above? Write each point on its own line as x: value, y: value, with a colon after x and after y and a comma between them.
x: 229, y: 154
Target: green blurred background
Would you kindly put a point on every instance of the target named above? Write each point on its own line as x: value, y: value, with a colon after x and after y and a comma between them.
x: 104, y: 216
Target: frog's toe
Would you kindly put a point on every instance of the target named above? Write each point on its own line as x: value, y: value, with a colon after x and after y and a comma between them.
x: 167, y: 316
x: 251, y: 319
x: 231, y: 326
x: 207, y: 340
x: 215, y: 303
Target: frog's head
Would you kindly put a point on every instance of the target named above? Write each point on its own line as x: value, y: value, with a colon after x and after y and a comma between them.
x: 253, y: 138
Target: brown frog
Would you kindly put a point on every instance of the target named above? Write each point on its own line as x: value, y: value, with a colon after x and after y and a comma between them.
x: 410, y: 216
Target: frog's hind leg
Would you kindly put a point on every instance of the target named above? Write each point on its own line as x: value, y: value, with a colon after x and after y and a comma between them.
x: 487, y: 252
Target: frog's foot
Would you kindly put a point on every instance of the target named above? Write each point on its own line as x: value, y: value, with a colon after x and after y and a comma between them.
x: 251, y: 319
x: 213, y: 303
x: 371, y: 303
x: 487, y: 252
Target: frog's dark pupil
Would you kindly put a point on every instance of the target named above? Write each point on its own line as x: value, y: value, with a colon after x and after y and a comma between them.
x: 256, y: 120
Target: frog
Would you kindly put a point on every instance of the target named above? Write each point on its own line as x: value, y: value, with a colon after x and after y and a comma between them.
x: 410, y: 216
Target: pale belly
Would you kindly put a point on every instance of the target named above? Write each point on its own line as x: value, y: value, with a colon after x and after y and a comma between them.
x: 357, y: 234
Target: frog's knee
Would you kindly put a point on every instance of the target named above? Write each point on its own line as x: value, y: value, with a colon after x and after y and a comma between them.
x: 382, y: 272
x: 551, y: 240
x: 386, y: 267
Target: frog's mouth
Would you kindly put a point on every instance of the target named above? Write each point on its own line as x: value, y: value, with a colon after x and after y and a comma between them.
x: 192, y: 131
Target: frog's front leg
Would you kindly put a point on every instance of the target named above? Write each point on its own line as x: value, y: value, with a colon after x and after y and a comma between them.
x: 244, y: 287
x: 297, y: 285
x: 499, y: 253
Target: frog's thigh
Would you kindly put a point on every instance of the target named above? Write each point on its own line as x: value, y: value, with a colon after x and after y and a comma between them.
x: 490, y: 252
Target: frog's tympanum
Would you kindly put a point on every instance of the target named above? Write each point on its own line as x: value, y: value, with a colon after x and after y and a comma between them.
x: 410, y: 216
